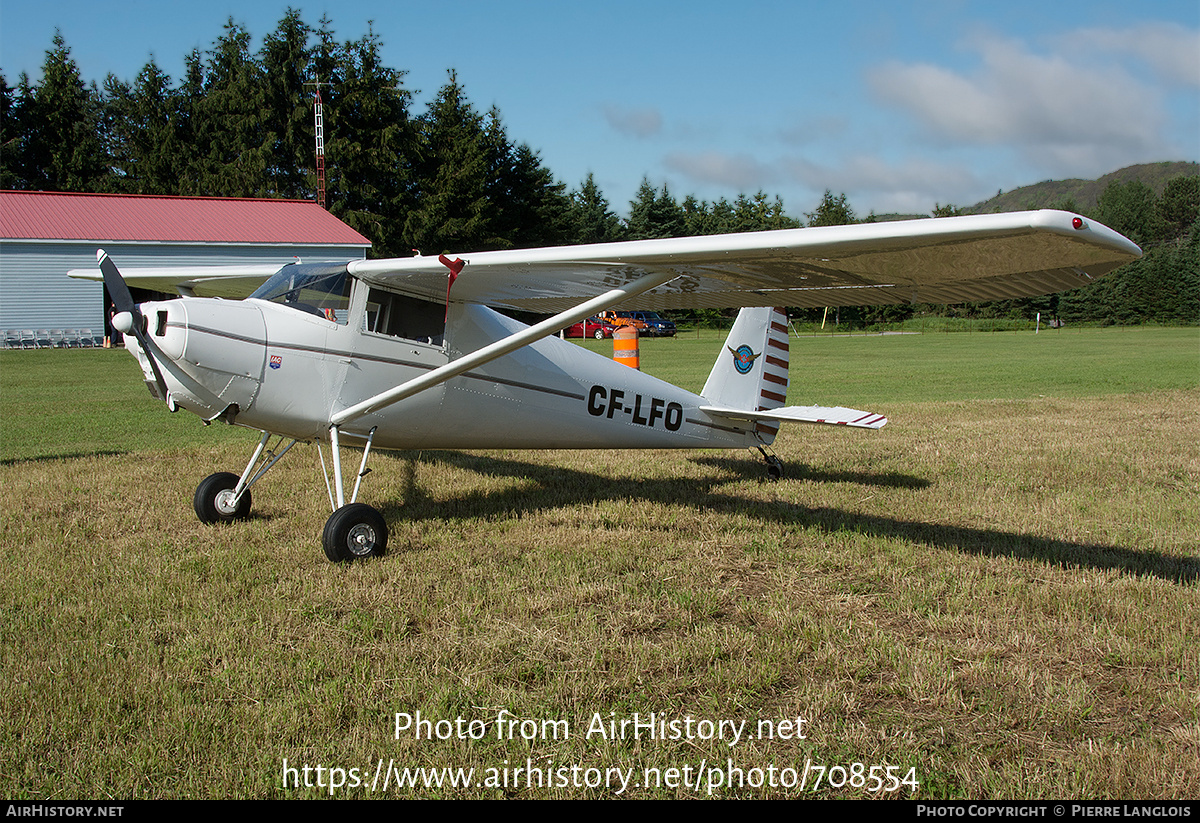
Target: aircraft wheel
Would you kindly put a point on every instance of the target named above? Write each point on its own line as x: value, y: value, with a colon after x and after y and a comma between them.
x: 774, y: 468
x: 354, y: 531
x: 213, y: 500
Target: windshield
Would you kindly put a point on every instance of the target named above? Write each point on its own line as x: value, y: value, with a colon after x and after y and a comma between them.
x: 322, y: 289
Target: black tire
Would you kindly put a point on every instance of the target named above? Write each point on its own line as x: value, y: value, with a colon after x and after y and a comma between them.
x: 212, y: 500
x: 598, y: 334
x: 354, y: 531
x: 774, y: 468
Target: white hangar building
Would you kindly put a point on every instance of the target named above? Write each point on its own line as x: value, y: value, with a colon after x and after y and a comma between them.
x: 43, y: 235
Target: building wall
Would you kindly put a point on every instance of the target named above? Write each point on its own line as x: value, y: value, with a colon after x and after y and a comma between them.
x: 35, y: 292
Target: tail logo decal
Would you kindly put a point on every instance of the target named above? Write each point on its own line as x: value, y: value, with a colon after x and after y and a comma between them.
x: 743, y: 358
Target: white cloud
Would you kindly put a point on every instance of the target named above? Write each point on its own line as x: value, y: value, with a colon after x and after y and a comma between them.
x: 637, y: 122
x: 910, y: 186
x: 810, y: 129
x: 1071, y: 116
x: 1172, y: 51
x: 913, y: 186
x: 739, y: 172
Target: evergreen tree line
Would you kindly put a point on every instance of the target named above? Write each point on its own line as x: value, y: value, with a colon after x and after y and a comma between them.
x: 240, y: 124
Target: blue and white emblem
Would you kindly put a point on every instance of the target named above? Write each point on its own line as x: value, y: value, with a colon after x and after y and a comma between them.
x: 743, y: 358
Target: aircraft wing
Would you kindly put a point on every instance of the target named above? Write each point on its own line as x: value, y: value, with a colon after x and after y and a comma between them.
x: 233, y: 282
x: 935, y: 260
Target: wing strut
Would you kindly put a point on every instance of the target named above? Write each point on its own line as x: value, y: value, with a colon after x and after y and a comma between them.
x: 504, y: 346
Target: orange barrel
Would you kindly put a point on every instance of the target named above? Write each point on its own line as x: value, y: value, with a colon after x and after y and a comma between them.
x: 625, y: 346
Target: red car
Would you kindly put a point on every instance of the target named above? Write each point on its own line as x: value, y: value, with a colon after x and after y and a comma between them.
x: 595, y: 327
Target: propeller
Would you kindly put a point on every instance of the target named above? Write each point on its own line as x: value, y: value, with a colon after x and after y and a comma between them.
x: 123, y: 302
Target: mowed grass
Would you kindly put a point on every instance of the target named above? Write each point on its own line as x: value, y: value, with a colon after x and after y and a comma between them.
x: 997, y: 591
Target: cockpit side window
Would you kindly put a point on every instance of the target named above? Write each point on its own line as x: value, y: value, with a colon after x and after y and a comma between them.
x: 399, y: 316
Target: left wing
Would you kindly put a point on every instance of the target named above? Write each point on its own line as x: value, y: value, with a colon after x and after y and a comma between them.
x: 233, y: 282
x: 935, y: 260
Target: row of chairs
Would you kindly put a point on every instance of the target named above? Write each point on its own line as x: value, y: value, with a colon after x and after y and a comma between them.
x: 51, y: 339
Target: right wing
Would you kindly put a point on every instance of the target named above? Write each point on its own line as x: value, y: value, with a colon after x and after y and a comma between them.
x: 934, y: 260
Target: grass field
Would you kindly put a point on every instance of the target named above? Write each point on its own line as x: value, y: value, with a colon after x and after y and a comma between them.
x: 995, y: 596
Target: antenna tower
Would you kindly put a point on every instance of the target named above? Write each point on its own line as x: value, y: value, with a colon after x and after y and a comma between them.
x: 319, y: 129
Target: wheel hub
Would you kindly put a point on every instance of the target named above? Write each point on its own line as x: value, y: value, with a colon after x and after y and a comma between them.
x: 361, y: 540
x: 226, y: 503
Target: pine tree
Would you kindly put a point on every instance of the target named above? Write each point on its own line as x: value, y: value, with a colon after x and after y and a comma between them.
x: 229, y: 123
x: 452, y: 212
x: 370, y: 140
x: 529, y: 207
x: 146, y: 142
x: 592, y: 221
x: 9, y: 173
x: 59, y: 144
x: 1129, y: 209
x: 1179, y: 206
x: 832, y: 211
x: 654, y: 213
x: 285, y: 58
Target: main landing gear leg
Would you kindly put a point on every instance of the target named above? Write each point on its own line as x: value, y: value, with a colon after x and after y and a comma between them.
x: 225, y: 497
x: 354, y: 530
x: 774, y: 464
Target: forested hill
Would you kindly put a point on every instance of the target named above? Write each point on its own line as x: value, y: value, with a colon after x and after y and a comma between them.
x: 1084, y: 194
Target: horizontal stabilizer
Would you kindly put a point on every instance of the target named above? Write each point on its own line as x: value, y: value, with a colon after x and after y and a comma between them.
x: 831, y: 415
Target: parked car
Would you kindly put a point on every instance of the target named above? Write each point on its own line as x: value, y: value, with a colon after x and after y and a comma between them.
x: 595, y: 327
x: 649, y: 323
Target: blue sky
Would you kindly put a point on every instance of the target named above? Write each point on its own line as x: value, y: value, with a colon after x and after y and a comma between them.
x: 899, y: 104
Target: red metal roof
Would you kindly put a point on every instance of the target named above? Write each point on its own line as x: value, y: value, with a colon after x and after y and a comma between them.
x: 32, y: 215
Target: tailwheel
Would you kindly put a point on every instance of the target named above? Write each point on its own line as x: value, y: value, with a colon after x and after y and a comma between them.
x: 215, y: 501
x: 774, y: 465
x: 774, y: 468
x: 354, y: 531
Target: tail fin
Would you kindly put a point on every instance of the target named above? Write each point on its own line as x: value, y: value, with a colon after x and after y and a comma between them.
x: 750, y: 379
x: 751, y: 372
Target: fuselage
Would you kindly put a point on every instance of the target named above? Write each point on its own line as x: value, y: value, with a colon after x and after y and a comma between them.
x: 287, y: 369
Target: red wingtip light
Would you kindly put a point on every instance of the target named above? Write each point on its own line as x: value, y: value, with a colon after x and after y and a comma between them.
x: 1078, y: 223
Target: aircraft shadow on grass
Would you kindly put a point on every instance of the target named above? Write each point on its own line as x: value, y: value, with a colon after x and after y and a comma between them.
x: 58, y: 458
x: 558, y: 486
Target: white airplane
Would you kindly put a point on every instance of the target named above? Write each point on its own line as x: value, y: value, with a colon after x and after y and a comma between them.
x: 411, y: 353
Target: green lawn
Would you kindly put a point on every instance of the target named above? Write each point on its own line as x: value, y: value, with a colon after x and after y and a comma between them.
x: 64, y: 402
x: 994, y: 596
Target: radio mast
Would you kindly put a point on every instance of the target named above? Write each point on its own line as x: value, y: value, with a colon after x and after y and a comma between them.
x: 319, y: 129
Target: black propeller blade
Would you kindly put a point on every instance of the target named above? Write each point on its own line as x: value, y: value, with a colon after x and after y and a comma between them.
x: 123, y: 301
